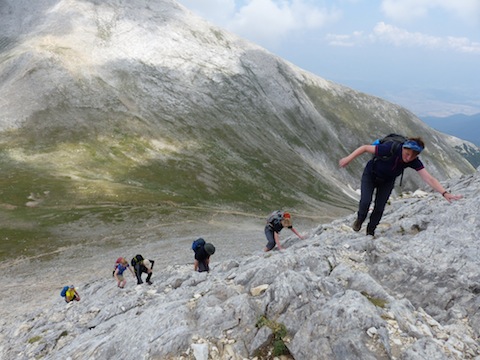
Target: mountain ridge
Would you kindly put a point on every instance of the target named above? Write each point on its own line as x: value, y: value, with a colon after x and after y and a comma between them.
x: 460, y: 125
x: 145, y: 104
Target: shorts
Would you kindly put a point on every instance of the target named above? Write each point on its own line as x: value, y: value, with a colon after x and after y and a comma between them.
x: 120, y: 277
x: 74, y: 297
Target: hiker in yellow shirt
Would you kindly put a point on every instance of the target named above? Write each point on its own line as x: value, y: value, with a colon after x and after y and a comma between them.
x: 72, y: 294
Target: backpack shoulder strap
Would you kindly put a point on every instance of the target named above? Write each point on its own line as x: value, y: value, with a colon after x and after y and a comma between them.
x: 395, y: 139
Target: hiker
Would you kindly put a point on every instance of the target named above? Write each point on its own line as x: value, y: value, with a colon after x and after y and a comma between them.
x: 380, y: 173
x: 141, y: 266
x: 276, y: 221
x: 120, y: 266
x: 71, y: 294
x: 203, y: 251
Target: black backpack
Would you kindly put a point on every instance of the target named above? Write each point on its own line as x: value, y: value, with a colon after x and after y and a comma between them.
x: 397, y: 141
x: 275, y: 217
x: 136, y: 260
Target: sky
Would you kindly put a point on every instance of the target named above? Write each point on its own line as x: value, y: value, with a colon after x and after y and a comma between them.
x: 421, y: 54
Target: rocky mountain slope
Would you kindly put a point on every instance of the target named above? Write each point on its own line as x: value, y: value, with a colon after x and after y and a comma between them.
x: 139, y: 101
x: 460, y: 125
x: 131, y: 126
x: 464, y: 127
x: 410, y: 293
x: 468, y: 150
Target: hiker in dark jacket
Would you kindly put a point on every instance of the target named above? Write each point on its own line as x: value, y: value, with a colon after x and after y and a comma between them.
x: 141, y: 266
x: 275, y: 223
x: 380, y: 175
x: 202, y: 256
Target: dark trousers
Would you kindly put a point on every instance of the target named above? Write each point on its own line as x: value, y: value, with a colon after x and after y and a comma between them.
x: 383, y: 188
x: 140, y: 269
x: 203, y: 266
x: 270, y: 237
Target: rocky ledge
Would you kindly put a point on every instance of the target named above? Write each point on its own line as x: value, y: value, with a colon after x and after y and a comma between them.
x: 409, y: 293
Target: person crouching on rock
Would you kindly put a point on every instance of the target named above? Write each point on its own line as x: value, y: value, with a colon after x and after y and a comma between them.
x: 141, y: 266
x: 203, y: 251
x: 72, y: 294
x: 120, y: 267
x: 276, y: 221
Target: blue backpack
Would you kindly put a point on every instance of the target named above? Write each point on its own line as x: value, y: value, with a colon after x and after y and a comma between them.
x: 63, y: 293
x: 197, y: 243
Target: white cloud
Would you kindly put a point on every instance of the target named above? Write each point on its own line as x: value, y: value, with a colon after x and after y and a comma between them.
x: 265, y: 22
x: 463, y: 45
x: 389, y: 34
x: 406, y: 10
x: 345, y: 40
x: 216, y: 11
x: 401, y: 37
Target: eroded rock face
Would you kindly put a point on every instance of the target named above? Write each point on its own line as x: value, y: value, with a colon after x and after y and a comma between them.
x: 409, y: 293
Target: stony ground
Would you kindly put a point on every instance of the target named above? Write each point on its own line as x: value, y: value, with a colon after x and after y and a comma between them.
x: 30, y: 281
x: 409, y: 293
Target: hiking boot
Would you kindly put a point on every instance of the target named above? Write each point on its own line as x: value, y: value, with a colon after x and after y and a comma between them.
x: 370, y: 232
x: 149, y: 282
x: 357, y: 225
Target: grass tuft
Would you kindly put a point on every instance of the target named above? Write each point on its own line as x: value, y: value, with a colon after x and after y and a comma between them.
x: 279, y: 332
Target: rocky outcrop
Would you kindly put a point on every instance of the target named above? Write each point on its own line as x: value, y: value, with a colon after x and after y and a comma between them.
x: 410, y: 293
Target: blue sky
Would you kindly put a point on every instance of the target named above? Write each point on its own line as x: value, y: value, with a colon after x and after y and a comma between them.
x: 421, y: 54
